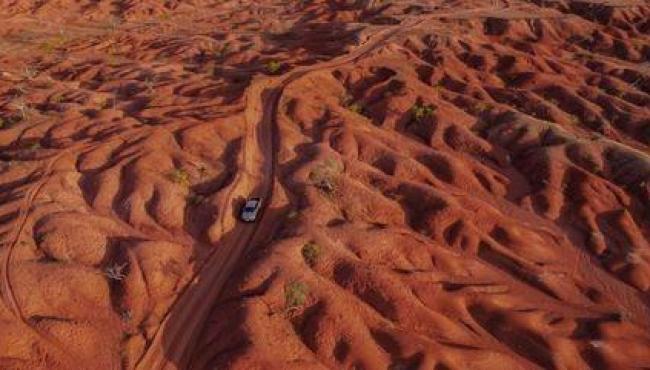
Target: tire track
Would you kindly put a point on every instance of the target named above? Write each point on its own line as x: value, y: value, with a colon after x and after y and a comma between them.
x: 182, y: 322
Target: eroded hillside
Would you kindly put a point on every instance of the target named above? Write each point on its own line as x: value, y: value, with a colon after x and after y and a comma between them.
x: 448, y: 184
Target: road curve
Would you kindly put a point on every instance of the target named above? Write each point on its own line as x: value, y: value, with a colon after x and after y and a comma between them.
x: 256, y: 177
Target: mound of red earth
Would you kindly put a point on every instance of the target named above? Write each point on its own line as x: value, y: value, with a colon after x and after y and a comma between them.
x: 447, y: 184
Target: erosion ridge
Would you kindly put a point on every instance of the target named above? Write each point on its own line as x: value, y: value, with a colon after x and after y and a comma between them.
x: 448, y: 184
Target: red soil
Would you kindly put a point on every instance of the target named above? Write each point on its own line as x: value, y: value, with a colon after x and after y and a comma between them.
x: 449, y: 184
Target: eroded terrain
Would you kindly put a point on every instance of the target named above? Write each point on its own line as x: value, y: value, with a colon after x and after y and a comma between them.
x: 449, y: 184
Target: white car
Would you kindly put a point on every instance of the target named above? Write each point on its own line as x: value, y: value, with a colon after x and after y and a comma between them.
x: 251, y: 209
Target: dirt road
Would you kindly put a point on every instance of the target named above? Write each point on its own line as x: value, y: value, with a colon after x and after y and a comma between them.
x: 255, y: 178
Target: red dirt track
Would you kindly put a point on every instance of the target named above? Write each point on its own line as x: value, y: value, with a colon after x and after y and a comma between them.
x: 447, y: 184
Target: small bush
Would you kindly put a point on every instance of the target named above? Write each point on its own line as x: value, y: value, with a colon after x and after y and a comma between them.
x: 596, y: 238
x: 150, y: 84
x: 55, y: 43
x: 116, y: 272
x: 195, y: 199
x: 421, y: 112
x: 295, y: 295
x: 323, y: 175
x: 352, y: 105
x: 483, y: 106
x: 57, y: 99
x: 355, y: 108
x: 33, y: 146
x: 273, y: 66
x: 634, y: 258
x: 29, y: 73
x: 7, y: 122
x: 574, y: 119
x: 311, y: 253
x: 126, y: 316
x: 179, y: 176
x: 23, y: 111
x: 221, y: 51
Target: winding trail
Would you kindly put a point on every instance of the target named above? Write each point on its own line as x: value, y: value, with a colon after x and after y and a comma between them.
x: 174, y: 344
x: 255, y: 178
x: 179, y: 331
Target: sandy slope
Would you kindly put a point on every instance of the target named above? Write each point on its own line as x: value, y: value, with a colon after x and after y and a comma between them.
x: 449, y: 184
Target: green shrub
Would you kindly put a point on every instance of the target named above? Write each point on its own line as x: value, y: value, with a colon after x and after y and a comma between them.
x: 311, y: 253
x: 421, y: 112
x: 323, y: 175
x: 195, y: 199
x: 295, y: 295
x: 273, y: 66
x: 483, y: 106
x: 355, y: 108
x: 352, y: 105
x: 179, y: 176
x: 7, y: 122
x: 33, y: 146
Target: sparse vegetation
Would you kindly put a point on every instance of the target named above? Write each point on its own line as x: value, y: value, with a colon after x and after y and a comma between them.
x: 220, y: 52
x: 126, y: 316
x: 7, y: 122
x: 295, y: 295
x: 484, y: 106
x: 116, y: 271
x: 195, y: 199
x: 203, y: 171
x: 311, y: 252
x: 352, y: 105
x: 57, y: 98
x: 323, y: 175
x: 574, y: 120
x: 634, y: 258
x: 179, y: 176
x: 596, y: 343
x: 33, y: 146
x: 584, y: 55
x: 54, y: 43
x: 29, y: 73
x: 420, y: 112
x: 23, y: 109
x: 149, y: 83
x: 273, y: 66
x: 355, y: 107
x: 19, y: 90
x: 596, y: 237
